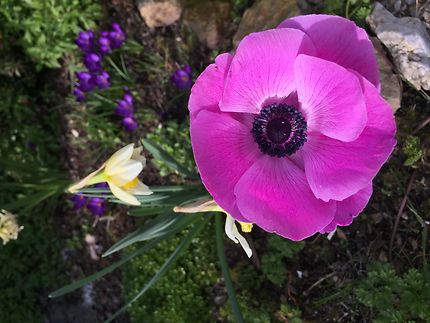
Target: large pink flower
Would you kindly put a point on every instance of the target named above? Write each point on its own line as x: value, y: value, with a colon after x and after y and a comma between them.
x: 289, y: 132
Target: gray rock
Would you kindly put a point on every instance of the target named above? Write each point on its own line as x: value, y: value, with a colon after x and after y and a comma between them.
x: 208, y: 19
x: 263, y: 15
x: 159, y: 13
x: 407, y: 41
x: 391, y: 85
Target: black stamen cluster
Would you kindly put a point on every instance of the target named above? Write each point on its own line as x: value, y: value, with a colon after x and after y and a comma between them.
x: 293, y: 129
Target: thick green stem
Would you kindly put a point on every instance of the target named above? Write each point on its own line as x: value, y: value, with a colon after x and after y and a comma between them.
x: 225, y: 270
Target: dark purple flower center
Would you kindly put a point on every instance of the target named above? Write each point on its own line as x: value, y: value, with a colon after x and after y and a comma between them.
x: 279, y: 130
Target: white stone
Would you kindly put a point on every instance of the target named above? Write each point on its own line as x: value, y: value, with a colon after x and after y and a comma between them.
x: 407, y: 41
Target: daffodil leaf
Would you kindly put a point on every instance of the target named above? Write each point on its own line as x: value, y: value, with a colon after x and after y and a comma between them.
x: 226, y: 271
x: 162, y: 155
x: 80, y: 283
x: 198, y: 226
x: 161, y: 227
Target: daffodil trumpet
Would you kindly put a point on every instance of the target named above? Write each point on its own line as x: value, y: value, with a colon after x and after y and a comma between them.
x: 209, y: 205
x: 120, y: 172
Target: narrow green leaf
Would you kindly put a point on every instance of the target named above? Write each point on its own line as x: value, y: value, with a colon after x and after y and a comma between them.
x: 225, y: 270
x: 198, y: 226
x: 161, y: 154
x: 161, y: 227
x: 80, y: 283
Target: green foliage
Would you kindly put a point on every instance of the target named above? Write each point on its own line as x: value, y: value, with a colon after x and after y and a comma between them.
x: 273, y: 261
x: 290, y: 313
x: 394, y: 298
x: 183, y: 294
x: 29, y: 267
x: 412, y: 149
x: 46, y: 28
x: 356, y: 10
x: 174, y: 138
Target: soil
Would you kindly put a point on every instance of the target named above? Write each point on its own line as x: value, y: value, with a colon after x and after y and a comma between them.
x: 324, y: 263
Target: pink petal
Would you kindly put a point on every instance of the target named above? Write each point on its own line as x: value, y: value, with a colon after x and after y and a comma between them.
x: 223, y: 149
x: 349, y: 208
x: 339, y: 40
x: 335, y: 169
x: 207, y: 90
x: 262, y: 68
x: 275, y: 195
x: 331, y: 98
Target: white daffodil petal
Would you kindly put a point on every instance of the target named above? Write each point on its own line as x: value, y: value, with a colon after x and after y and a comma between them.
x: 120, y: 156
x: 123, y: 195
x: 243, y: 242
x: 204, y: 204
x: 83, y: 182
x: 137, y: 155
x: 125, y: 172
x: 140, y: 189
x: 229, y: 228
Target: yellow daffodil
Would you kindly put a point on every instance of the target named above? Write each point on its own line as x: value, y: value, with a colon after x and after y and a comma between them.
x: 9, y: 228
x: 120, y: 171
x: 209, y: 205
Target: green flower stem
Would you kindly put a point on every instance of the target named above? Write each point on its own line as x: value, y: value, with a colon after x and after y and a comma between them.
x: 225, y: 270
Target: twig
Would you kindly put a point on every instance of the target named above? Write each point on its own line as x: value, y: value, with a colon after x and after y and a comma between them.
x: 421, y: 125
x: 318, y: 282
x: 399, y: 213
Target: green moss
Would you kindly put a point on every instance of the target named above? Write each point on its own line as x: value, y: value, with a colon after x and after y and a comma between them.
x: 174, y: 138
x: 184, y: 293
x: 412, y: 150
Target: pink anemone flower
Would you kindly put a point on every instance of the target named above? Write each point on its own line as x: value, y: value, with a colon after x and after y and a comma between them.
x: 289, y: 132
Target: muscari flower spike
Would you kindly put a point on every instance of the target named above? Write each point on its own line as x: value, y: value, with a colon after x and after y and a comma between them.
x: 124, y: 107
x: 85, y: 81
x: 85, y: 40
x: 289, y: 132
x: 78, y: 201
x: 101, y: 80
x: 120, y: 172
x: 93, y: 62
x: 117, y: 36
x: 9, y: 228
x: 96, y: 206
x: 130, y: 124
x: 209, y: 205
x: 182, y: 78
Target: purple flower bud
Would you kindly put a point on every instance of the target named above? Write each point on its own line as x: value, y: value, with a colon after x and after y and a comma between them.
x: 104, y: 45
x: 124, y: 107
x: 93, y: 62
x: 117, y: 37
x: 102, y: 185
x: 129, y: 124
x: 96, y: 206
x: 85, y: 40
x: 102, y: 80
x: 79, y: 94
x: 182, y: 78
x: 85, y: 81
x: 78, y: 201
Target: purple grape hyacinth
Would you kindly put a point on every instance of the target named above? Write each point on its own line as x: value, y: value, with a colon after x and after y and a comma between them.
x: 96, y: 206
x: 78, y: 201
x: 130, y: 124
x: 105, y: 46
x: 85, y: 40
x: 117, y: 37
x: 93, y: 62
x: 85, y: 81
x: 102, y: 80
x: 79, y: 94
x: 182, y: 78
x: 124, y: 107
